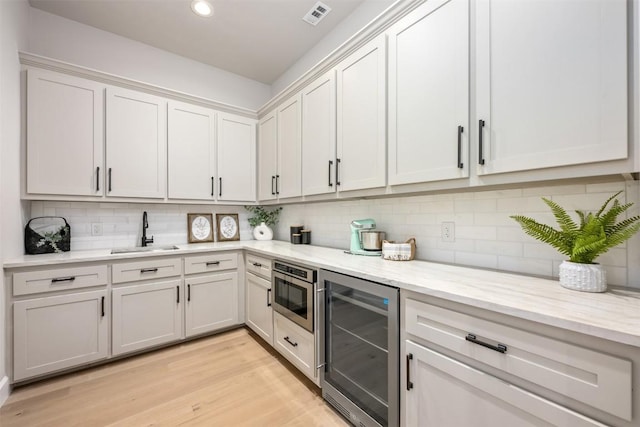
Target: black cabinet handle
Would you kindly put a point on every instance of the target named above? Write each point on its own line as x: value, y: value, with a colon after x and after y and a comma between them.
x: 188, y: 293
x: 277, y: 184
x: 409, y: 383
x: 212, y: 185
x: 337, y: 172
x: 460, y: 130
x: 109, y: 189
x: 178, y: 294
x: 330, y: 164
x: 97, y: 178
x: 212, y: 263
x: 273, y: 179
x: 220, y: 187
x: 256, y: 264
x: 148, y: 270
x: 480, y: 155
x: 268, y: 297
x: 63, y: 279
x: 500, y: 348
x: 294, y: 344
x: 102, y: 306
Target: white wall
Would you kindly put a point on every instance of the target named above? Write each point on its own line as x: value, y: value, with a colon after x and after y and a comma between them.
x: 122, y: 222
x: 66, y: 40
x: 13, y: 24
x: 485, y: 236
x: 360, y: 17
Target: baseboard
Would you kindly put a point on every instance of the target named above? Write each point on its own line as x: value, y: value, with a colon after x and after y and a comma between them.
x: 5, y: 389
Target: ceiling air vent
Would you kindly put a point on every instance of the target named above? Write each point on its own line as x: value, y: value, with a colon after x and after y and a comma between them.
x: 317, y: 12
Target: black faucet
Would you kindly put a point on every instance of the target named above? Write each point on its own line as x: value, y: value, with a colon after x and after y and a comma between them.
x: 145, y: 225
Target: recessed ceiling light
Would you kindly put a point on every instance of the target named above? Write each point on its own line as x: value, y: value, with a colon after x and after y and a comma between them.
x: 202, y: 8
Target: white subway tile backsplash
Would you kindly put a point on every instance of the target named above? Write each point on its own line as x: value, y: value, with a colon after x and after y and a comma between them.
x: 535, y: 266
x: 548, y: 191
x: 476, y: 259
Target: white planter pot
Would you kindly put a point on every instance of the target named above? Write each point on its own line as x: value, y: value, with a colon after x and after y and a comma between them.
x: 583, y: 277
x: 262, y: 232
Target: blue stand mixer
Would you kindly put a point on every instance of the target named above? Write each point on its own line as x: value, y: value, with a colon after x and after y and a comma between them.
x: 364, y: 239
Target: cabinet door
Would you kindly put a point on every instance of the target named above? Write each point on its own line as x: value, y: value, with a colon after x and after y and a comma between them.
x: 445, y: 392
x: 136, y: 144
x: 551, y: 83
x: 212, y: 303
x: 236, y: 158
x: 146, y: 315
x: 191, y: 159
x: 65, y: 136
x: 267, y: 156
x: 429, y: 93
x: 361, y: 120
x: 319, y: 136
x: 289, y: 179
x: 259, y: 310
x: 54, y: 333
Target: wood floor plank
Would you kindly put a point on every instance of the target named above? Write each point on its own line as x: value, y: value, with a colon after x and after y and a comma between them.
x: 230, y: 379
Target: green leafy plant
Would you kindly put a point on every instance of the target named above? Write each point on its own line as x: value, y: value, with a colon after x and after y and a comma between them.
x: 593, y: 236
x: 261, y: 215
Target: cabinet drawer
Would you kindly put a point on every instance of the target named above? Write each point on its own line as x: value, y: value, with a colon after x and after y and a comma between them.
x: 597, y: 379
x: 295, y: 344
x: 148, y: 269
x: 259, y: 266
x: 32, y: 282
x: 211, y: 262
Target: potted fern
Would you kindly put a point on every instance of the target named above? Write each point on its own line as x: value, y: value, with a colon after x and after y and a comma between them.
x: 262, y: 221
x: 584, y: 242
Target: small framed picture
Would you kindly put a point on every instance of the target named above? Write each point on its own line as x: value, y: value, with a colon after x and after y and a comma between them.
x: 228, y: 228
x: 200, y: 227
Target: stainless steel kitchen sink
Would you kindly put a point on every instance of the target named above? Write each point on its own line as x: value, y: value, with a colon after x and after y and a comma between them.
x: 136, y: 249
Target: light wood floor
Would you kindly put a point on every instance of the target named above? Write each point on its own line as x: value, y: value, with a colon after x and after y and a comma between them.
x: 225, y: 380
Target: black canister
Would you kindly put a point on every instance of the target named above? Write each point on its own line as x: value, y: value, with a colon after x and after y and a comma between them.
x: 296, y: 239
x: 295, y: 229
x: 306, y: 237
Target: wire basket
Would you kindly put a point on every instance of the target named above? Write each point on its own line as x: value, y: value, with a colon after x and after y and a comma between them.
x: 47, y: 234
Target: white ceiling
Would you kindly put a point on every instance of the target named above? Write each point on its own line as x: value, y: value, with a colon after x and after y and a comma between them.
x: 258, y: 39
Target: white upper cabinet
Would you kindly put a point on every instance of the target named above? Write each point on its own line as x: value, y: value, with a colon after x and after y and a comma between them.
x: 267, y: 156
x: 319, y: 136
x: 429, y: 93
x: 361, y: 119
x: 65, y: 135
x: 289, y: 176
x: 236, y: 158
x: 136, y: 144
x: 191, y: 142
x: 551, y: 80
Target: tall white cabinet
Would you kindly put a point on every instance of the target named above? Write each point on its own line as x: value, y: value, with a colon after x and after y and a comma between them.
x: 191, y: 149
x: 65, y: 134
x: 361, y: 118
x: 319, y: 136
x: 429, y: 93
x: 236, y: 158
x: 136, y: 144
x: 289, y: 176
x: 267, y: 156
x: 551, y: 81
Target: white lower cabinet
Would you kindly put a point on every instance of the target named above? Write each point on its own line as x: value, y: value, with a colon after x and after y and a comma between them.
x: 259, y: 309
x: 295, y: 344
x: 212, y: 302
x: 146, y: 315
x: 59, y: 332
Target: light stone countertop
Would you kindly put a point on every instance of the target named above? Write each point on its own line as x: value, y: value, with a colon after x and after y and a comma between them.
x: 613, y: 315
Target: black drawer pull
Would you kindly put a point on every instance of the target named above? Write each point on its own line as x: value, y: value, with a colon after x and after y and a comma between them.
x: 220, y: 187
x: 102, y: 306
x: 63, y: 279
x: 337, y: 172
x: 500, y: 348
x: 409, y: 383
x: 277, y: 184
x: 212, y: 185
x: 256, y: 264
x: 268, y: 297
x: 188, y: 293
x: 149, y: 270
x: 480, y: 154
x: 273, y: 180
x: 460, y: 164
x: 330, y: 164
x: 97, y: 178
x: 213, y: 263
x: 295, y: 344
x: 177, y: 294
x: 109, y: 189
